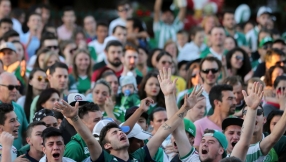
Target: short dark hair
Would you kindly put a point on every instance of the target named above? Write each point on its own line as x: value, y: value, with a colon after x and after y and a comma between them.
x: 131, y: 110
x: 122, y: 3
x: 231, y: 159
x: 101, y: 23
x: 51, y: 132
x: 67, y: 9
x: 88, y: 107
x: 227, y: 12
x: 10, y: 33
x: 271, y: 115
x: 216, y: 93
x: 6, y: 20
x: 47, y: 36
x: 161, y: 54
x: 34, y: 14
x: 278, y: 79
x: 104, y: 131
x: 137, y: 23
x: 271, y: 52
x: 57, y: 65
x: 31, y: 127
x: 195, y: 30
x: 182, y: 31
x: 118, y: 26
x: 211, y: 59
x: 232, y: 80
x: 217, y: 26
x: 5, y: 109
x: 113, y: 43
x: 158, y: 109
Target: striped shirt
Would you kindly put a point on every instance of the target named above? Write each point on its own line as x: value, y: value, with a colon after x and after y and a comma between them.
x: 164, y: 32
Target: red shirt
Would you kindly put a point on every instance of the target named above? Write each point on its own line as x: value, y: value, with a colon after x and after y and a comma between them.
x: 97, y: 73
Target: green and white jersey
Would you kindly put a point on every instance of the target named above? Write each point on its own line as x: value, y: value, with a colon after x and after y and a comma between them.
x: 13, y: 153
x: 164, y: 32
x: 251, y: 38
x: 82, y: 84
x: 239, y: 37
x: 192, y: 156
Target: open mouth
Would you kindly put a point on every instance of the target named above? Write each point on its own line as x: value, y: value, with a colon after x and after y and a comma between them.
x: 122, y: 138
x: 233, y: 144
x: 15, y: 131
x: 56, y: 155
x: 175, y: 145
x: 204, y: 151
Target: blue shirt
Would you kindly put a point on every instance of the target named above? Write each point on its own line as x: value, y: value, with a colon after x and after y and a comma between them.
x: 33, y: 46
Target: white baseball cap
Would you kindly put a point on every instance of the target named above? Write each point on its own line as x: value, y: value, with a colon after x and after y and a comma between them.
x: 138, y: 132
x: 7, y: 45
x: 263, y: 10
x: 76, y: 97
x: 102, y: 123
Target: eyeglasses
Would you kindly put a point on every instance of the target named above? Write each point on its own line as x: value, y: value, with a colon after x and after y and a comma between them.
x: 280, y: 62
x: 194, y: 75
x: 166, y: 62
x: 259, y: 112
x: 207, y: 71
x: 124, y: 9
x: 40, y: 78
x: 238, y: 58
x: 53, y: 47
x: 11, y: 87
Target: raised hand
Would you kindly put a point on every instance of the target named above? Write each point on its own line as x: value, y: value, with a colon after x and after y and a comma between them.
x: 253, y: 99
x: 167, y: 85
x: 191, y: 100
x: 66, y: 109
x: 6, y: 139
x: 281, y: 99
x: 109, y: 104
x: 145, y: 103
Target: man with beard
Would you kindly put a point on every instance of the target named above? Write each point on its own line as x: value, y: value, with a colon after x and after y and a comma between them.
x: 217, y: 37
x: 229, y: 27
x: 223, y: 102
x: 130, y: 61
x: 113, y: 52
x: 232, y: 130
x: 263, y: 19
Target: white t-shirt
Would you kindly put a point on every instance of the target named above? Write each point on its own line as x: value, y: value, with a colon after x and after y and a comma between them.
x: 101, y: 56
x: 99, y: 48
x: 65, y: 159
x: 21, y: 101
x: 193, y: 156
x: 191, y: 52
x: 13, y: 153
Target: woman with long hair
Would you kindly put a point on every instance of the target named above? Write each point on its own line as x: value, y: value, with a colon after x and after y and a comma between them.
x: 81, y: 74
x: 151, y: 60
x: 37, y: 82
x: 150, y: 87
x: 46, y: 58
x: 272, y: 73
x: 238, y: 63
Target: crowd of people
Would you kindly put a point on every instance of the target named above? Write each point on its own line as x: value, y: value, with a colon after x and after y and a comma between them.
x: 110, y: 92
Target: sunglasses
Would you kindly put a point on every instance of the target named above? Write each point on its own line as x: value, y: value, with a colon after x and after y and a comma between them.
x: 280, y: 62
x: 259, y: 112
x: 267, y: 46
x: 124, y: 9
x: 207, y: 71
x: 165, y: 62
x: 238, y: 58
x: 40, y: 78
x: 194, y: 75
x: 53, y: 47
x: 11, y: 87
x: 72, y: 50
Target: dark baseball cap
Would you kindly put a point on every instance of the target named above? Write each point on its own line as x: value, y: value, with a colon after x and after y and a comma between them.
x: 231, y: 121
x: 131, y: 111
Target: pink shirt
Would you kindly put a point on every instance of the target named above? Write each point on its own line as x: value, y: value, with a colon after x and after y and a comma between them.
x: 63, y: 33
x: 201, y: 126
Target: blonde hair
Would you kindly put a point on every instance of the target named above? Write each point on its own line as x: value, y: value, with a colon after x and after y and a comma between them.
x: 206, y: 18
x: 47, y: 57
x: 75, y: 72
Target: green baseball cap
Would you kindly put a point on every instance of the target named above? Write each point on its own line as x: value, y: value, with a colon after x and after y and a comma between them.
x: 221, y: 139
x: 190, y: 127
x: 265, y: 40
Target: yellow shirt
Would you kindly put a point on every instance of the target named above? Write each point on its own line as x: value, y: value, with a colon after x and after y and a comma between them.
x: 181, y: 83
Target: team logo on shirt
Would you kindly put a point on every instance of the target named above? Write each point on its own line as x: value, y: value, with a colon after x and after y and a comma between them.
x: 77, y: 98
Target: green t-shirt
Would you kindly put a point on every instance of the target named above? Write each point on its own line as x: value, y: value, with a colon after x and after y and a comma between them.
x: 76, y: 149
x: 33, y: 108
x: 93, y: 53
x: 239, y: 37
x: 254, y: 154
x: 207, y: 51
x: 279, y: 147
x: 82, y: 84
x: 23, y: 150
x: 140, y: 155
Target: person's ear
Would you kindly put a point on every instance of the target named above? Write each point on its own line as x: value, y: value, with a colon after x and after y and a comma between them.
x: 220, y: 150
x: 1, y: 128
x: 28, y: 140
x: 44, y: 149
x: 107, y: 146
x: 216, y: 102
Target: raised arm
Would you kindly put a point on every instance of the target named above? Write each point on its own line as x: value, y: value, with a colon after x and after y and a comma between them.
x: 169, y: 90
x: 6, y: 139
x: 157, y: 10
x: 71, y: 113
x: 167, y: 128
x: 268, y: 142
x: 252, y: 101
x: 183, y: 9
x: 144, y: 106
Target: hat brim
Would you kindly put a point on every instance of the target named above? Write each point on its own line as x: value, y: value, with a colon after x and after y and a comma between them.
x: 1, y: 50
x: 142, y: 135
x: 80, y: 103
x: 231, y: 121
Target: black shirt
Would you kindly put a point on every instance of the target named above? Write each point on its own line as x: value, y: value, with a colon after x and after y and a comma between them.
x: 260, y: 70
x: 27, y: 156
